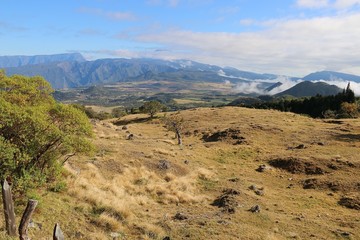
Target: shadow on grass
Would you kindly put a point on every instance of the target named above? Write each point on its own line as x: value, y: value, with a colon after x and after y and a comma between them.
x: 135, y: 120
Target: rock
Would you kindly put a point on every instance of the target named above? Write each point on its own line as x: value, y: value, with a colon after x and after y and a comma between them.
x: 263, y: 168
x: 124, y: 127
x: 164, y: 164
x: 253, y: 187
x: 235, y: 179
x: 255, y: 209
x: 186, y: 161
x: 259, y: 192
x: 180, y: 216
x: 167, y: 238
x: 300, y: 146
x: 130, y: 137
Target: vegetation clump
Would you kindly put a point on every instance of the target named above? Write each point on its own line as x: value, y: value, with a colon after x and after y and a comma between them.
x: 341, y: 105
x: 37, y: 134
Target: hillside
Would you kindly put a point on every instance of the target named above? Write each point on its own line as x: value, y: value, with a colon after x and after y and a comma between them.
x: 308, y: 89
x: 147, y: 187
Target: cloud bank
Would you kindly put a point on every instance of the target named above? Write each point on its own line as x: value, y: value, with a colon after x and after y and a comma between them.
x: 293, y: 47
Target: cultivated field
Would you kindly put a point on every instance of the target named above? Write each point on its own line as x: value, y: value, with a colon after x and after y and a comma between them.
x: 240, y: 174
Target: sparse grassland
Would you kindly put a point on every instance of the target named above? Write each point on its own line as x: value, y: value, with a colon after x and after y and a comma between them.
x: 147, y: 187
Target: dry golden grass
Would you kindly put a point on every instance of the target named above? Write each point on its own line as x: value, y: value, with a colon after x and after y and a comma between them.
x: 124, y: 190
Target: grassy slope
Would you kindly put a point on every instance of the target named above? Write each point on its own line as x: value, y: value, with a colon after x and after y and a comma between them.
x: 122, y: 189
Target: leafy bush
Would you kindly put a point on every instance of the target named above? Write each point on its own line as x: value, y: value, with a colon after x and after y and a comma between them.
x: 37, y: 134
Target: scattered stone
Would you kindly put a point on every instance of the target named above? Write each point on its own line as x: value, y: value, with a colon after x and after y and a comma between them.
x: 253, y: 187
x: 180, y: 216
x: 164, y: 164
x: 130, y: 137
x: 255, y: 209
x: 259, y: 192
x: 167, y: 238
x: 333, y: 166
x: 310, y: 183
x: 124, y: 127
x: 235, y: 179
x: 300, y: 146
x: 186, y: 161
x: 263, y: 168
x: 36, y: 225
x: 115, y: 235
x: 321, y: 143
x: 290, y: 185
x: 231, y: 191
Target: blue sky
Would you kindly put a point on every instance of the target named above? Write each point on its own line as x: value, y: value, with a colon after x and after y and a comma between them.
x: 293, y: 37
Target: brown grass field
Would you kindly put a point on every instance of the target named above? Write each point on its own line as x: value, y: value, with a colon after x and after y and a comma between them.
x: 150, y: 188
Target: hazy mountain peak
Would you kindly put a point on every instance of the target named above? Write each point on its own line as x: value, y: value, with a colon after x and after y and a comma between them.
x: 22, y: 60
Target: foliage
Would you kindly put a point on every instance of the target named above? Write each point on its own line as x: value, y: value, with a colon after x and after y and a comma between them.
x: 349, y: 110
x: 118, y: 112
x: 152, y: 108
x: 340, y: 105
x: 37, y: 134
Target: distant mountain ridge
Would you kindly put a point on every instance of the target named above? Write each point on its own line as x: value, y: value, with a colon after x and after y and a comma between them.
x: 331, y: 76
x: 71, y: 70
x: 76, y: 72
x: 18, y: 61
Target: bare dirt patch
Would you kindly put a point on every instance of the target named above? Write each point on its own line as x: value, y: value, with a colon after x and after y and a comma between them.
x: 297, y: 165
x: 227, y: 201
x: 333, y: 185
x: 229, y: 135
x: 350, y: 202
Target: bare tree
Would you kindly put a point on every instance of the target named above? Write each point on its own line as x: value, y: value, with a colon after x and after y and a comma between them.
x: 176, y: 124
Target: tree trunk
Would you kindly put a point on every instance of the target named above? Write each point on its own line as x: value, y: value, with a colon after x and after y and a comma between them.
x: 23, y: 228
x: 8, y: 209
x: 178, y: 137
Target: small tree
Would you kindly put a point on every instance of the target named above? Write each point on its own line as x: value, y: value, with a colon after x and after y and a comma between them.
x: 152, y: 108
x: 37, y: 134
x: 176, y: 124
x: 349, y: 110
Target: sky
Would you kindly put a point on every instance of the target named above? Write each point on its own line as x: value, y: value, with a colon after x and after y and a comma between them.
x: 287, y: 37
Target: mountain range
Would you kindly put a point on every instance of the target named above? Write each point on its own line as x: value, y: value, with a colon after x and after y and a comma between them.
x: 72, y: 70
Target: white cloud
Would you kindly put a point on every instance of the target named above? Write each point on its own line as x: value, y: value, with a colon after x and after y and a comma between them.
x: 337, y: 4
x: 293, y: 47
x: 343, y: 4
x: 312, y: 3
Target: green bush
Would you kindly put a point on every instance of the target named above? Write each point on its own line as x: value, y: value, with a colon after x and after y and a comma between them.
x: 37, y: 134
